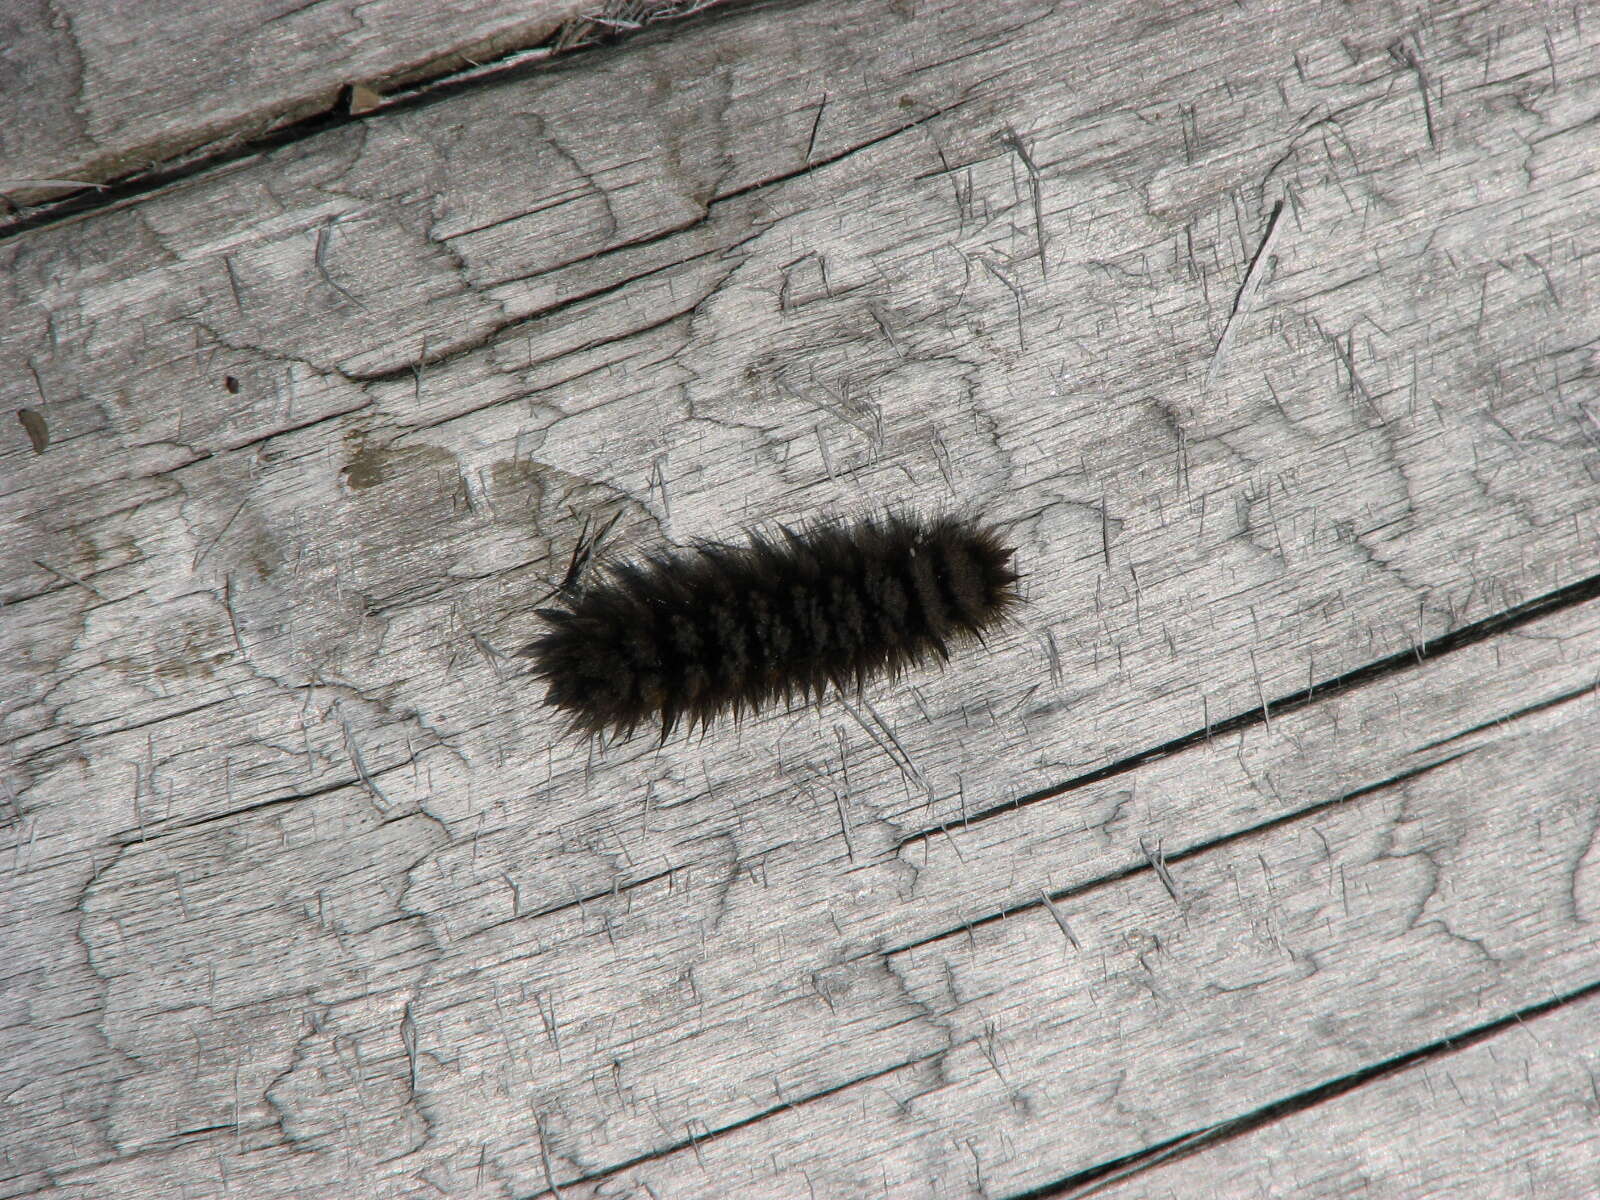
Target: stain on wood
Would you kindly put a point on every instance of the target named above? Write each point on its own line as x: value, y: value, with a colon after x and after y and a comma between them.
x: 36, y: 427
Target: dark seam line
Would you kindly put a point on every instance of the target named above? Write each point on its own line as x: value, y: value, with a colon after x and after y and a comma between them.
x: 1573, y: 594
x: 1086, y: 1182
x: 419, y: 95
x: 1138, y: 868
x: 1526, y: 710
x: 692, y: 1142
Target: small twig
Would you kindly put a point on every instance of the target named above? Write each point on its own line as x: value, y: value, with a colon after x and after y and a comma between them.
x: 816, y: 124
x: 361, y: 767
x: 1052, y: 654
x: 1158, y: 863
x: 544, y: 1157
x: 1247, y: 292
x: 233, y: 620
x: 490, y: 654
x: 1261, y: 693
x: 901, y: 761
x: 1408, y: 57
x: 226, y: 525
x: 233, y: 281
x: 844, y: 828
x: 1016, y: 295
x: 582, y: 552
x: 70, y: 578
x: 1346, y: 352
x: 323, y: 237
x: 1012, y: 140
x: 658, y: 480
x: 1061, y: 918
x: 878, y: 315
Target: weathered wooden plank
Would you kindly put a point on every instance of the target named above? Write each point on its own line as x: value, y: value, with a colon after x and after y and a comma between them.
x: 1167, y: 529
x: 1513, y: 1115
x: 95, y: 92
x: 765, y: 971
x: 1287, y: 959
x: 301, y: 888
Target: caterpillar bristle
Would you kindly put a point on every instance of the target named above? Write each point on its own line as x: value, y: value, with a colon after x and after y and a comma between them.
x: 726, y: 630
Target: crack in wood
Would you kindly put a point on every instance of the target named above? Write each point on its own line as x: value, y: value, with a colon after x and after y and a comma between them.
x: 1580, y: 592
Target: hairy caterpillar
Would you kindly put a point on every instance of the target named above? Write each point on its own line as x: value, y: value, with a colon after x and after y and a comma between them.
x: 725, y: 629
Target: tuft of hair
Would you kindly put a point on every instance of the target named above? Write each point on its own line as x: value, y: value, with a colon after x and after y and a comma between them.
x: 727, y: 629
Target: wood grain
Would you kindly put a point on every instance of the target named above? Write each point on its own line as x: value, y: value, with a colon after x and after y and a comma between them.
x: 1511, y: 1115
x: 1281, y: 960
x: 1283, y: 778
x: 99, y: 92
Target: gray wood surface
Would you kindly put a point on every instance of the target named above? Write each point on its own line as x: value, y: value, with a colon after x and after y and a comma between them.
x: 1270, y: 334
x: 1514, y: 1115
x: 96, y: 92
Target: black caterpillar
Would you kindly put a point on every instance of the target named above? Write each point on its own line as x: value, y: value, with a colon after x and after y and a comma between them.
x: 730, y: 629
